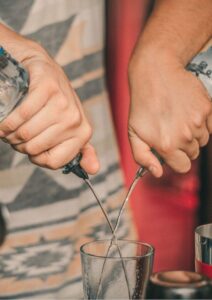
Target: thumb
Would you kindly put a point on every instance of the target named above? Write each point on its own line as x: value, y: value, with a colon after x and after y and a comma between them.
x: 144, y: 157
x: 89, y: 162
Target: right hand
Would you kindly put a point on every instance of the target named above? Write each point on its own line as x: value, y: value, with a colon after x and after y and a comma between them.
x: 170, y: 112
x: 49, y: 125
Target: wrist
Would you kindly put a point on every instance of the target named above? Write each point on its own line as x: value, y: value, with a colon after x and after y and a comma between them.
x: 153, y: 58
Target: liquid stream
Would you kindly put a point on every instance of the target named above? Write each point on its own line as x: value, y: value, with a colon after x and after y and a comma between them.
x: 114, y: 241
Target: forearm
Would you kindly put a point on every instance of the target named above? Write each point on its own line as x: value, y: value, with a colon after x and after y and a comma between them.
x: 177, y: 29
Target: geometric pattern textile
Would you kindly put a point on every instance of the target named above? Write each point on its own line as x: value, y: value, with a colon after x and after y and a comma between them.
x: 51, y: 214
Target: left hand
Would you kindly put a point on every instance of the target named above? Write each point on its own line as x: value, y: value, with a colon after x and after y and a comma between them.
x: 50, y: 125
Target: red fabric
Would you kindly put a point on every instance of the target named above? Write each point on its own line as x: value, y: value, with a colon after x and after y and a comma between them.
x: 165, y: 209
x: 125, y: 22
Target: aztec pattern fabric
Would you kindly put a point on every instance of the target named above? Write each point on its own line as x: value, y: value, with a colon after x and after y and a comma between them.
x: 52, y: 214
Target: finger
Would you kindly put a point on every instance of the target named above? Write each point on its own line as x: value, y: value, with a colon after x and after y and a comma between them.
x: 89, y: 162
x: 209, y: 124
x: 192, y: 149
x: 178, y: 161
x: 144, y: 157
x: 42, y: 120
x: 30, y: 106
x: 52, y: 136
x: 203, y: 140
x: 58, y: 156
x: 202, y: 136
x: 52, y: 159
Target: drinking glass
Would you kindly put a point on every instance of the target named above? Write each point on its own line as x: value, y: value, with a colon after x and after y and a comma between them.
x: 106, y: 275
x: 203, y: 249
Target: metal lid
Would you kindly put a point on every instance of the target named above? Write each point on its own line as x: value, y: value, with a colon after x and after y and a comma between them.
x: 178, y: 285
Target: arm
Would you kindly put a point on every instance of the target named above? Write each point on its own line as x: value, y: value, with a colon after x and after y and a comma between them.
x: 180, y: 28
x: 49, y: 125
x: 170, y: 109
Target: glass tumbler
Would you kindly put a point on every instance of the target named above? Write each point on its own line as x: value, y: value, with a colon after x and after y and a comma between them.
x: 203, y: 250
x: 122, y: 272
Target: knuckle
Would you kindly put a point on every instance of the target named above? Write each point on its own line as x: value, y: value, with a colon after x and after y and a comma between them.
x: 23, y: 133
x: 9, y: 124
x: 187, y: 135
x: 52, y: 163
x: 51, y: 84
x: 31, y: 149
x: 47, y: 160
x: 87, y: 132
x: 34, y: 160
x: 166, y: 146
x: 18, y: 148
x: 207, y: 108
x: 62, y: 102
x: 198, y: 119
x: 24, y: 112
x: 76, y: 119
x: 37, y: 160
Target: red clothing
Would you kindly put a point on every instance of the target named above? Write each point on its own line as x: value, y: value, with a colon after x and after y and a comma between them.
x: 164, y: 209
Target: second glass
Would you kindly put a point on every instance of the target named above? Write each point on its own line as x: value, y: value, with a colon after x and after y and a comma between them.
x: 203, y: 250
x: 109, y: 276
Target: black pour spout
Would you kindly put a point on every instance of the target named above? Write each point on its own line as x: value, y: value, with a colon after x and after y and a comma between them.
x: 74, y: 167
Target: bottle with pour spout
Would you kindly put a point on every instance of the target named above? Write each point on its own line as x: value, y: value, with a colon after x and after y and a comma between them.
x: 14, y: 83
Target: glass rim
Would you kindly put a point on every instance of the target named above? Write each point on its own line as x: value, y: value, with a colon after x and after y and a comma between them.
x: 150, y: 248
x: 203, y: 230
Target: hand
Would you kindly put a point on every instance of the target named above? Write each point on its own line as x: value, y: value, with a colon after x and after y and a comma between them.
x: 49, y: 125
x: 170, y: 112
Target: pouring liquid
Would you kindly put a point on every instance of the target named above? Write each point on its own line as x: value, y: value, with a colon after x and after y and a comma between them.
x: 141, y: 172
x: 113, y: 242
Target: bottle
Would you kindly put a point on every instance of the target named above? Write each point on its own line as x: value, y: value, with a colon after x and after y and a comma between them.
x: 14, y: 82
